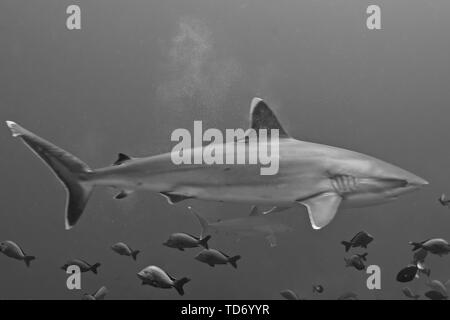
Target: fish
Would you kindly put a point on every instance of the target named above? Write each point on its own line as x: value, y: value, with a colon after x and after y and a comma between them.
x: 407, y: 274
x: 289, y: 295
x: 124, y: 250
x: 317, y: 177
x: 409, y: 294
x: 212, y: 257
x: 361, y: 239
x: 436, y: 246
x: 158, y: 278
x: 83, y: 265
x: 13, y: 250
x: 348, y: 296
x: 183, y: 241
x: 443, y: 201
x: 436, y: 285
x: 317, y: 288
x: 97, y: 295
x: 356, y: 261
x: 435, y: 295
x: 257, y: 223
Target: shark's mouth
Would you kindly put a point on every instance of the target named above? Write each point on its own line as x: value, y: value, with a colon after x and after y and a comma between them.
x: 347, y: 184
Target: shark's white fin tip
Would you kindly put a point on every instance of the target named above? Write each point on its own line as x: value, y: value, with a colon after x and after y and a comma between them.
x: 254, y: 102
x: 14, y: 127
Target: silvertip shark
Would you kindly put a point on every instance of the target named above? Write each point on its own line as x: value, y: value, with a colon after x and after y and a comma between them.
x: 319, y: 177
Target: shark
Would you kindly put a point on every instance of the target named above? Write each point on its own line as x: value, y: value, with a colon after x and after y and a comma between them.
x: 317, y: 177
x: 258, y: 223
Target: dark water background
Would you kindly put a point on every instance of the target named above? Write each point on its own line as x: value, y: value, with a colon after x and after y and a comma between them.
x: 139, y: 69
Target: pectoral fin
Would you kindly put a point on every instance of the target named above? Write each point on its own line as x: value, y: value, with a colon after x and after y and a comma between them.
x: 322, y: 208
x: 174, y: 198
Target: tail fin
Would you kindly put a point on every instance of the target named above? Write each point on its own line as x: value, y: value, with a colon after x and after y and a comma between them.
x: 94, y: 267
x: 415, y: 245
x: 347, y: 245
x: 233, y: 261
x: 178, y: 285
x: 71, y: 171
x: 363, y: 256
x: 204, y: 242
x: 134, y: 254
x: 28, y: 260
x: 203, y: 222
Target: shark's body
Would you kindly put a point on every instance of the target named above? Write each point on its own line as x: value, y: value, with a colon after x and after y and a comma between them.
x: 256, y: 224
x: 319, y: 177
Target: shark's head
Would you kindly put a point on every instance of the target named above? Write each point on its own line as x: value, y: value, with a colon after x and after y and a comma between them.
x: 372, y: 181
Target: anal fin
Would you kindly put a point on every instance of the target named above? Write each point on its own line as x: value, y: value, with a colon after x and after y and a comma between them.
x: 322, y: 208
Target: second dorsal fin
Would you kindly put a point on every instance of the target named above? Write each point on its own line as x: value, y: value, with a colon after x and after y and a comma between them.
x: 121, y: 158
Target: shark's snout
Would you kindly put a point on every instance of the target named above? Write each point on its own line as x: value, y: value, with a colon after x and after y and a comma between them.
x: 416, y: 181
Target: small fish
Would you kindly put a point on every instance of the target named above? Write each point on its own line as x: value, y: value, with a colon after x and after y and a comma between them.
x: 158, y: 278
x: 409, y: 294
x: 317, y: 288
x: 13, y: 250
x: 289, y: 295
x: 443, y: 201
x: 213, y: 257
x: 436, y: 246
x: 356, y: 261
x: 407, y: 274
x: 435, y: 295
x: 361, y: 239
x: 183, y: 241
x: 83, y: 265
x: 436, y: 285
x: 124, y: 250
x: 97, y: 295
x: 348, y: 296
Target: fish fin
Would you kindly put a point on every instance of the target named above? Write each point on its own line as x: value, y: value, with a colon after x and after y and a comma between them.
x: 178, y: 285
x: 121, y: 158
x: 347, y: 245
x: 262, y: 117
x: 174, y: 198
x: 363, y: 256
x: 276, y: 209
x: 71, y: 171
x: 134, y: 254
x: 204, y: 241
x: 211, y: 265
x: 28, y: 260
x: 233, y: 261
x: 322, y: 209
x: 94, y: 268
x: 254, y: 212
x: 122, y: 194
x: 203, y: 222
x: 416, y: 245
x: 272, y: 239
x: 181, y: 249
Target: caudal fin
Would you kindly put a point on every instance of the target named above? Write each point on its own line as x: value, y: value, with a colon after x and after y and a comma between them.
x: 70, y: 170
x: 416, y: 245
x: 347, y: 245
x: 134, y: 254
x: 204, y: 242
x: 28, y: 260
x: 178, y: 285
x: 203, y: 223
x: 94, y: 267
x: 233, y: 261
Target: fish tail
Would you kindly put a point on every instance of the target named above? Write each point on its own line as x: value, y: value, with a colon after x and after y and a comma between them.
x: 178, y: 285
x: 203, y: 222
x: 364, y: 256
x: 134, y: 254
x: 416, y: 245
x: 347, y: 245
x: 233, y: 261
x: 71, y: 171
x: 28, y: 260
x: 204, y: 242
x: 94, y: 268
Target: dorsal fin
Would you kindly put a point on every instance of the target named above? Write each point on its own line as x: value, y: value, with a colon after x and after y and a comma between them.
x: 254, y: 211
x: 121, y: 158
x: 262, y: 117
